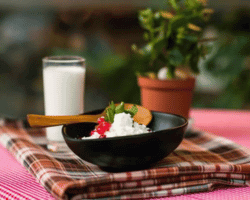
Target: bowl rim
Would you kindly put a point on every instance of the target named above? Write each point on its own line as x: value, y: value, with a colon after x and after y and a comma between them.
x: 127, y: 136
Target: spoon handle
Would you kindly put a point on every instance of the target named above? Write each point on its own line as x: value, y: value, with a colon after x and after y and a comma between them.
x: 47, y: 121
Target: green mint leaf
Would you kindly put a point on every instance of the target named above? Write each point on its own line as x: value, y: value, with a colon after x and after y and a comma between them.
x: 112, y: 105
x: 120, y: 108
x: 106, y: 117
x: 110, y: 112
x: 132, y: 111
x: 109, y: 115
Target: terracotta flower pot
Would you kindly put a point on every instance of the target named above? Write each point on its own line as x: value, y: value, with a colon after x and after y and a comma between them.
x: 170, y: 96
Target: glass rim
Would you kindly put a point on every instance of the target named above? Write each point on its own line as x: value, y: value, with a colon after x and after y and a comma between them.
x: 63, y: 59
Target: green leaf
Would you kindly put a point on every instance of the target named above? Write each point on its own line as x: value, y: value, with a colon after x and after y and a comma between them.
x: 120, y: 108
x: 158, y: 19
x: 132, y: 111
x: 110, y: 112
x: 134, y: 48
x: 147, y: 49
x: 174, y: 4
x: 175, y: 57
x: 191, y: 38
x: 112, y: 105
x: 109, y: 115
x: 146, y: 18
x: 191, y: 4
x: 159, y: 45
x: 146, y: 36
x: 177, y: 22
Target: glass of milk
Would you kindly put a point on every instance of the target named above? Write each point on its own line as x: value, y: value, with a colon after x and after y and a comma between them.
x: 64, y: 83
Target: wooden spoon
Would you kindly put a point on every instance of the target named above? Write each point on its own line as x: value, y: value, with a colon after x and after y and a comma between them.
x: 143, y: 116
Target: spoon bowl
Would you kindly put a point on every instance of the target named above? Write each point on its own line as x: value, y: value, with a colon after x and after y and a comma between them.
x: 143, y: 116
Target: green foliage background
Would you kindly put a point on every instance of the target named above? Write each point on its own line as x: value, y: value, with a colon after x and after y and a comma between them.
x: 227, y: 61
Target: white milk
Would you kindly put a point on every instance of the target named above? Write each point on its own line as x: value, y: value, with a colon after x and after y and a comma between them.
x: 63, y: 94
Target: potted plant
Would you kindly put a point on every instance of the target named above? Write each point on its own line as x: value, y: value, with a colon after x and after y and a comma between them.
x: 171, y: 54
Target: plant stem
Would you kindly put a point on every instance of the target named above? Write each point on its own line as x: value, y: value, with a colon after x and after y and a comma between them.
x: 171, y: 72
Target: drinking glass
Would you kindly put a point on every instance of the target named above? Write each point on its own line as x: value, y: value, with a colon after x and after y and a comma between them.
x: 64, y: 84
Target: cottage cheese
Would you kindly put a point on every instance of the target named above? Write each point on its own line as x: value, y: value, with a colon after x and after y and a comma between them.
x: 123, y: 125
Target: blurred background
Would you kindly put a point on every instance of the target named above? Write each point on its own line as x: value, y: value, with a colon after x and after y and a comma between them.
x: 103, y: 32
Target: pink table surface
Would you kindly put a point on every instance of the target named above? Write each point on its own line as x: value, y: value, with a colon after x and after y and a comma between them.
x: 17, y: 184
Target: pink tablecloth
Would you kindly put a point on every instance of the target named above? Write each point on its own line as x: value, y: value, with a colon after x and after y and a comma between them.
x: 15, y: 179
x: 234, y: 125
x: 231, y: 124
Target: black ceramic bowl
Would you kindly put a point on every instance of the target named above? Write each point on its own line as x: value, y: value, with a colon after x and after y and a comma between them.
x: 127, y: 152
